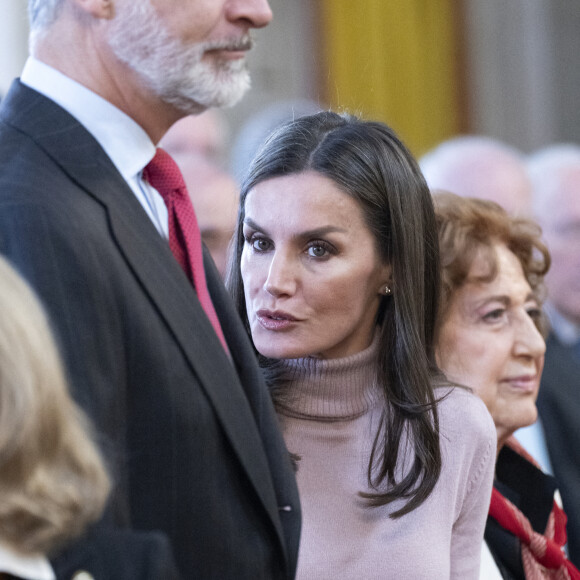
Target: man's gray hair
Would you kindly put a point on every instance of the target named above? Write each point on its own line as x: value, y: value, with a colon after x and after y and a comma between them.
x: 42, y: 13
x: 546, y: 167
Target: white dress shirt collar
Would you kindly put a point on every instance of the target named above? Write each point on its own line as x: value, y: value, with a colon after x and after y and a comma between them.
x: 124, y: 141
x: 29, y: 567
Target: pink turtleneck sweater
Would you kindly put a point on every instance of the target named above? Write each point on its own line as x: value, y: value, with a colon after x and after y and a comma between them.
x: 330, y: 420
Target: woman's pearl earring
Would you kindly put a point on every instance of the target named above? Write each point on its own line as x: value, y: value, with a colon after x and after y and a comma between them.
x: 387, y: 290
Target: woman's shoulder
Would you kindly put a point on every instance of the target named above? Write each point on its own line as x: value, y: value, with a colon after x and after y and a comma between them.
x: 468, y: 436
x: 461, y: 404
x: 463, y: 415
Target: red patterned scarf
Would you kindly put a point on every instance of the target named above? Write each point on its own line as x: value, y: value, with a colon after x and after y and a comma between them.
x: 542, y: 554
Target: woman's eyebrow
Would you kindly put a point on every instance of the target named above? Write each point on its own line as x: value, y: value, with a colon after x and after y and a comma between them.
x: 321, y: 231
x: 252, y: 224
x: 313, y: 233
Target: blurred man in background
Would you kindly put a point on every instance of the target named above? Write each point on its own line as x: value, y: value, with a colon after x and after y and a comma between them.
x: 555, y: 175
x: 482, y: 167
x: 198, y: 144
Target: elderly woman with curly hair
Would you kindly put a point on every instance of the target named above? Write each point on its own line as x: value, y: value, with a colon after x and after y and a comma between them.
x: 490, y: 339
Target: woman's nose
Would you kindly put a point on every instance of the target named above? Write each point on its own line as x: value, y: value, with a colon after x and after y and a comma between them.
x: 281, y: 279
x: 529, y: 341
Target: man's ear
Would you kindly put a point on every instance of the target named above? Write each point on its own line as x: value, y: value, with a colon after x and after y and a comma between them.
x: 96, y: 8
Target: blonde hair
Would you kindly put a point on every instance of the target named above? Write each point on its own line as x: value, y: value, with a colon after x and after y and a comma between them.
x: 52, y: 479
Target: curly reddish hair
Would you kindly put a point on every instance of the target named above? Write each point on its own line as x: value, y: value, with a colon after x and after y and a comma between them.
x: 470, y: 227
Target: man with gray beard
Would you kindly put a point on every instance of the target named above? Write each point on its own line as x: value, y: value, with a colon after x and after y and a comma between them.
x: 153, y: 348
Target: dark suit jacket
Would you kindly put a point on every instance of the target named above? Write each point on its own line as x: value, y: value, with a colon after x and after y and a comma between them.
x: 116, y: 555
x: 559, y: 408
x: 191, y: 437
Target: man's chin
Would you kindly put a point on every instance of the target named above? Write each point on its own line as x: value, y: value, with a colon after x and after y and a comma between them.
x: 233, y: 99
x: 229, y: 93
x: 207, y: 88
x: 194, y: 106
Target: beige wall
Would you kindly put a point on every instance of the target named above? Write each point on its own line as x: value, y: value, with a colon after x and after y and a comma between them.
x: 13, y: 41
x: 523, y: 60
x: 511, y: 81
x: 564, y: 22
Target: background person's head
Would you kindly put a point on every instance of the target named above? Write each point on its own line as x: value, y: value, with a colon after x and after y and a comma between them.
x: 257, y: 128
x: 489, y: 331
x: 481, y: 167
x: 555, y: 175
x: 197, y: 144
x: 52, y: 479
x: 205, y: 135
x: 214, y: 194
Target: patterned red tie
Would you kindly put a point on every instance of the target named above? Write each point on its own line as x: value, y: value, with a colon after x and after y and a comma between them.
x: 184, y: 237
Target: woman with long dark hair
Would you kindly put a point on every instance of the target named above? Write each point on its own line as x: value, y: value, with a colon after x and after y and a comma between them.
x: 335, y: 271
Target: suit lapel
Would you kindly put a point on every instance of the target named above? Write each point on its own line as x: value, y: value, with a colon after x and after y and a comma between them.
x: 149, y: 257
x: 162, y: 277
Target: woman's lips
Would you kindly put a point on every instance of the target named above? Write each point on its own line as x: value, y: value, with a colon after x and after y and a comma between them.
x: 524, y: 383
x: 275, y: 320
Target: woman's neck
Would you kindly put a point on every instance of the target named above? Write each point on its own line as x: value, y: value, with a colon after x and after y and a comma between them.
x: 329, y: 389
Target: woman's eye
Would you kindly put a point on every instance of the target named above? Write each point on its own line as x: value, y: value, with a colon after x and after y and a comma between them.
x: 494, y: 315
x: 260, y: 244
x: 535, y: 313
x: 319, y: 250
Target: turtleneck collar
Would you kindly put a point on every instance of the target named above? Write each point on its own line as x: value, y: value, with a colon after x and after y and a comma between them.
x: 330, y: 389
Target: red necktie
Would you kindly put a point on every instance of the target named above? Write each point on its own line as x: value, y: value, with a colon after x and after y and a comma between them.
x: 184, y: 237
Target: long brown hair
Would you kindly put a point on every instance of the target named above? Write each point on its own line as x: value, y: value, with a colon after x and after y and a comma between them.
x: 369, y: 163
